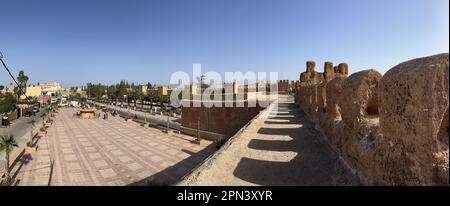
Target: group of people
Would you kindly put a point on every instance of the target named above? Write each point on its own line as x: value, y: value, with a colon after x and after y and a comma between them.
x: 105, y: 115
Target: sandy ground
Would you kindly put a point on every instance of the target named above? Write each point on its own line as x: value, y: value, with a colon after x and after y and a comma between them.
x: 280, y: 147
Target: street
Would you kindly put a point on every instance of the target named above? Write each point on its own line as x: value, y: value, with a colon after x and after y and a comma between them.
x: 21, y: 131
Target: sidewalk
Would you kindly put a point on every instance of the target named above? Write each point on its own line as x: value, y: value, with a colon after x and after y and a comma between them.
x: 156, y: 119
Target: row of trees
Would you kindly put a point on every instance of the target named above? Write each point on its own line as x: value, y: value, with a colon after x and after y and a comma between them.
x: 123, y: 91
x: 115, y: 91
x: 32, y: 123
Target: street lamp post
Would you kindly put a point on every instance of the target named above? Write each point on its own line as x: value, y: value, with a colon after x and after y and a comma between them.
x: 145, y: 117
x: 168, y: 122
x: 128, y: 108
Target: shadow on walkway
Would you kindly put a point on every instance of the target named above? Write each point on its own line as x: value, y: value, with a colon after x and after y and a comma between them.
x: 315, y: 163
x: 175, y: 173
x: 24, y: 160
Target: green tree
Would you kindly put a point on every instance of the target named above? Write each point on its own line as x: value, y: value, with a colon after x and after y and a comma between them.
x: 7, y: 144
x: 163, y: 99
x: 76, y: 96
x: 151, y: 86
x: 8, y: 103
x: 96, y: 91
x: 150, y: 97
x: 133, y: 95
x: 141, y: 97
x: 112, y: 92
x: 83, y: 102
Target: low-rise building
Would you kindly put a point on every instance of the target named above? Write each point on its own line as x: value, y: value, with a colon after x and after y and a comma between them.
x: 142, y: 88
x: 46, y: 89
x: 54, y: 86
x: 164, y: 90
x: 33, y: 90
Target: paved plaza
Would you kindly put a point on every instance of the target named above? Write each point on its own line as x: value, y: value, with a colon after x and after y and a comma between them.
x: 108, y: 152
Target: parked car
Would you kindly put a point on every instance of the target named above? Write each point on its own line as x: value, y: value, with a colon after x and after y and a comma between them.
x: 74, y: 103
x: 5, y: 121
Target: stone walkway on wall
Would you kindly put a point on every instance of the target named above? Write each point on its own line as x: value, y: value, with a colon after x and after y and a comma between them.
x: 108, y: 152
x: 282, y: 148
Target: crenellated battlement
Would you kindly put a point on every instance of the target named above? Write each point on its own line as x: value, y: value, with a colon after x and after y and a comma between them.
x: 392, y: 129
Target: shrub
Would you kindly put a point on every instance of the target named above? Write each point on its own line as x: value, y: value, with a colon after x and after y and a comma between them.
x: 154, y: 182
x: 220, y: 143
x: 7, y: 182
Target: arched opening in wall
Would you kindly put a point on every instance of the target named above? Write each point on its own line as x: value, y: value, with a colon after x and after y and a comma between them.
x: 372, y: 107
x: 443, y: 129
x: 338, y: 112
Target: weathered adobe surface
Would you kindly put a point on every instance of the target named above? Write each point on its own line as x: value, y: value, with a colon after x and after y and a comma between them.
x: 392, y: 129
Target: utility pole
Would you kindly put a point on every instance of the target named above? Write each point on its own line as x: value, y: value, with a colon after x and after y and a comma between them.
x: 9, y: 72
x: 168, y: 122
x: 198, y: 140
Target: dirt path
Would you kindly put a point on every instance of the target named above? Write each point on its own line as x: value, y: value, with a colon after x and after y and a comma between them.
x: 281, y: 147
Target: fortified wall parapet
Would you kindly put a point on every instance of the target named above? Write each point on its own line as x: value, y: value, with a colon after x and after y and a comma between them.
x: 392, y: 129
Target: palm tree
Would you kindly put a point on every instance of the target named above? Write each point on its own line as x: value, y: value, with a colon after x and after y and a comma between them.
x: 83, y: 102
x: 163, y: 99
x: 32, y: 122
x: 23, y: 79
x: 151, y: 97
x: 133, y: 95
x: 7, y: 144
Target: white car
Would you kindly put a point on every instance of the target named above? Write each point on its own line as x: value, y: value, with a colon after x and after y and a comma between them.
x: 74, y: 103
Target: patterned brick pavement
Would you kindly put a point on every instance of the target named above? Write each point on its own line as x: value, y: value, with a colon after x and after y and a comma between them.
x: 108, y: 152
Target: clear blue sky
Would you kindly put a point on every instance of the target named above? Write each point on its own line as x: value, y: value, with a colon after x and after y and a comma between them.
x: 78, y: 41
